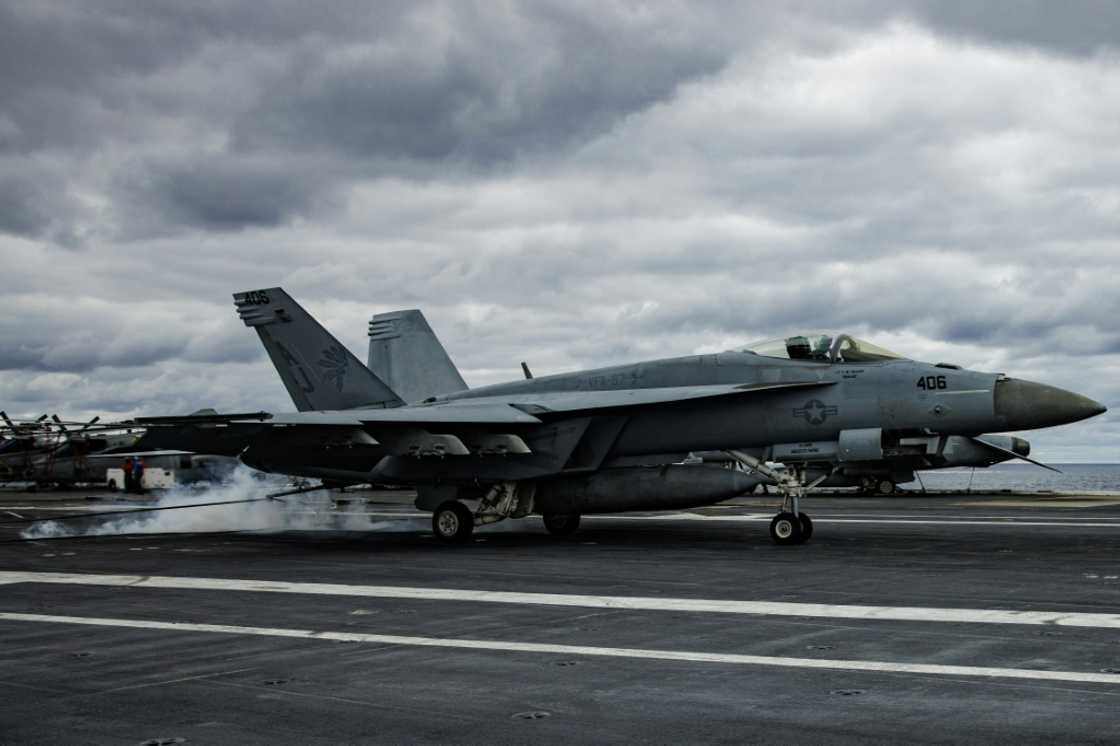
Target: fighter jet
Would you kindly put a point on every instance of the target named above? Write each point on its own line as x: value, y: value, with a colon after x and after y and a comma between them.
x: 405, y: 353
x: 606, y: 440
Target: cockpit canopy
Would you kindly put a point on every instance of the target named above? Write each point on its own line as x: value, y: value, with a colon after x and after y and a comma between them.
x: 822, y: 348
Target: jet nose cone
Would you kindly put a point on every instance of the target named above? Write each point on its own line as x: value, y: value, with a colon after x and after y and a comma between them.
x: 1023, y: 405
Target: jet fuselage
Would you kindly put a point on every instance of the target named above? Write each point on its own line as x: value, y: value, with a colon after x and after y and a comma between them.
x: 900, y: 395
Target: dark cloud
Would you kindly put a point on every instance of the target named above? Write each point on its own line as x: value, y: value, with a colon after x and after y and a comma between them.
x: 1084, y: 27
x: 220, y: 193
x: 26, y: 201
x: 55, y: 333
x: 243, y: 95
x: 456, y: 84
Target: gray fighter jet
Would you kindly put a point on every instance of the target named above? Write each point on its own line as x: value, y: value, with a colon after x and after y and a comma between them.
x: 406, y: 354
x: 606, y: 440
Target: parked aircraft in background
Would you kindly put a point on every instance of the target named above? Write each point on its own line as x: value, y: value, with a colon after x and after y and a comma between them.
x: 50, y: 451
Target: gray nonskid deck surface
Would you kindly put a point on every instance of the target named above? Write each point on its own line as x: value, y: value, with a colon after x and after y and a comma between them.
x: 72, y: 673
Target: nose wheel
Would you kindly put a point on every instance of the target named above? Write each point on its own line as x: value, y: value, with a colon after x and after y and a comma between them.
x: 789, y: 528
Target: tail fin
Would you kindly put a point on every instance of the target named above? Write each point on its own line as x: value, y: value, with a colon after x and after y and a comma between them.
x: 318, y: 371
x: 405, y: 353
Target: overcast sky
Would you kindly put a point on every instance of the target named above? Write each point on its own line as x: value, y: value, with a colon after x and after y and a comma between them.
x: 572, y: 183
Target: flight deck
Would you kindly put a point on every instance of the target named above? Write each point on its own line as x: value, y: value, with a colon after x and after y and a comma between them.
x: 963, y: 618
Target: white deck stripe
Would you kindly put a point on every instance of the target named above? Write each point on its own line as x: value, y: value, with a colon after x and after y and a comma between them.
x: 764, y: 608
x: 532, y: 647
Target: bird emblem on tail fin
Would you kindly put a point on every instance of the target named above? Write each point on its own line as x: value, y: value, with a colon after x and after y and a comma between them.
x: 334, y: 363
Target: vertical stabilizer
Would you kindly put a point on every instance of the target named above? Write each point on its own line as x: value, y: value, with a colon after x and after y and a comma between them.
x: 318, y: 371
x: 406, y: 354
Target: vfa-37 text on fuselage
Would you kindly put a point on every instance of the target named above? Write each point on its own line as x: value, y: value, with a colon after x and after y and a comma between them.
x: 606, y: 440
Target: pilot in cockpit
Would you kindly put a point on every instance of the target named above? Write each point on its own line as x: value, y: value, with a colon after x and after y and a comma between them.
x: 815, y: 347
x: 822, y: 347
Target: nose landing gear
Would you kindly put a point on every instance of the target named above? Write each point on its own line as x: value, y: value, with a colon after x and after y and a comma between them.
x: 790, y: 525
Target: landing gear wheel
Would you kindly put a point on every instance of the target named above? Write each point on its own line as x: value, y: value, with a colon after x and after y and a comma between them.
x: 885, y: 486
x: 561, y: 524
x: 806, y: 527
x: 786, y: 529
x: 453, y: 522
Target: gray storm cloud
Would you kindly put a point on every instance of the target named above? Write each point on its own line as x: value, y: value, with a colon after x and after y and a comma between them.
x: 571, y: 184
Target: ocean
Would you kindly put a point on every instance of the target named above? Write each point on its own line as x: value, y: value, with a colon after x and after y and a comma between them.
x: 1020, y: 477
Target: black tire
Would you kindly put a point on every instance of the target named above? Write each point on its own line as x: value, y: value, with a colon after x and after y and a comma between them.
x: 885, y: 486
x: 453, y: 522
x: 785, y: 529
x: 806, y: 527
x: 561, y: 524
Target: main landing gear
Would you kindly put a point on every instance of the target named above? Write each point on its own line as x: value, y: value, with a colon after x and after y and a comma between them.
x: 454, y: 521
x: 790, y: 525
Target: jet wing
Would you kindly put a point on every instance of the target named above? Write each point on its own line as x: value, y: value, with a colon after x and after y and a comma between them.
x: 558, y: 421
x: 521, y: 409
x: 505, y: 424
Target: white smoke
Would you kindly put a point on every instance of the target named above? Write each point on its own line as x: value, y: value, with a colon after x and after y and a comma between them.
x: 313, y: 511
